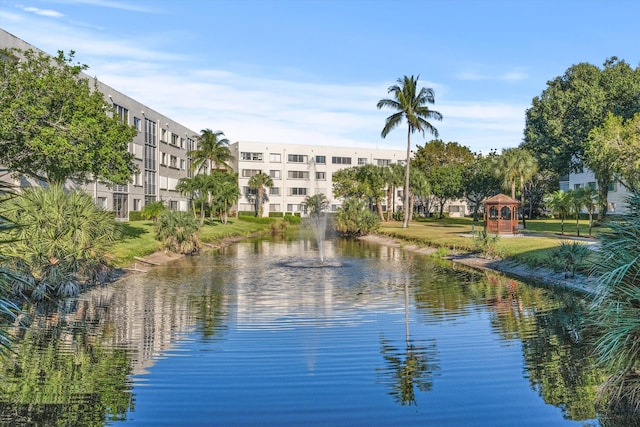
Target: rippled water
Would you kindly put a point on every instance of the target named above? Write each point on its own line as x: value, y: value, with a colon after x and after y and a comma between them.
x: 251, y: 336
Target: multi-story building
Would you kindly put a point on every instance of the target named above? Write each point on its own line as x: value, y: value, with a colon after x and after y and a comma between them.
x: 616, y: 198
x: 299, y: 171
x: 160, y: 150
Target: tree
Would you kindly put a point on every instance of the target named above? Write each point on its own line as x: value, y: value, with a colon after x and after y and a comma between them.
x: 479, y: 181
x: 559, y: 203
x: 560, y: 119
x: 576, y: 203
x: 212, y: 153
x: 394, y: 177
x: 224, y: 193
x: 259, y: 182
x: 588, y: 197
x: 177, y: 231
x: 55, y: 126
x: 446, y: 183
x: 188, y: 186
x: 411, y: 105
x: 354, y: 218
x: 516, y: 165
x: 316, y: 204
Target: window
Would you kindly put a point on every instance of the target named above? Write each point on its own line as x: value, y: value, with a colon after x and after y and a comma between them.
x: 613, y: 186
x: 275, y: 174
x: 321, y: 176
x: 149, y: 199
x: 298, y: 191
x: 249, y: 192
x: 576, y: 186
x: 163, y: 135
x: 174, y: 139
x: 173, y: 205
x: 183, y: 164
x: 173, y: 162
x: 274, y: 191
x: 298, y: 175
x: 341, y: 160
x: 294, y: 208
x: 121, y: 113
x: 248, y: 173
x: 163, y: 158
x: 383, y: 162
x: 182, y: 143
x: 137, y: 123
x: 362, y: 161
x: 101, y: 202
x: 275, y: 157
x: 251, y: 156
x: 121, y: 188
x: 120, y: 205
x: 274, y: 207
x: 321, y: 160
x: 297, y: 158
x: 150, y: 184
x: 137, y: 180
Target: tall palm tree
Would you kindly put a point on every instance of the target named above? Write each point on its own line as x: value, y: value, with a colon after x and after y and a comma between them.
x: 559, y: 203
x: 212, y: 153
x: 259, y: 182
x: 589, y: 196
x: 517, y: 165
x: 188, y: 186
x: 410, y: 105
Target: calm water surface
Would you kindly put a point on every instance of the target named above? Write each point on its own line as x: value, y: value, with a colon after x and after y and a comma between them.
x: 250, y: 336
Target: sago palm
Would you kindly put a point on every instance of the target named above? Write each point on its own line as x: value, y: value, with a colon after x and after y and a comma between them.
x: 411, y: 105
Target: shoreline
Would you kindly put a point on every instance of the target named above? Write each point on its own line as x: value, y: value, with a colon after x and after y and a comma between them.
x: 579, y: 283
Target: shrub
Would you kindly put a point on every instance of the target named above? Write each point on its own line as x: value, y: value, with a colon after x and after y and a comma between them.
x: 293, y: 219
x: 486, y: 243
x: 61, y: 242
x: 135, y: 216
x: 569, y: 257
x: 355, y: 219
x: 152, y: 211
x: 177, y: 231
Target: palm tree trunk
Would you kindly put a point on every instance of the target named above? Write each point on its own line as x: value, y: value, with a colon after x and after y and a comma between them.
x: 259, y: 213
x: 405, y: 223
x: 389, y: 202
x: 524, y: 223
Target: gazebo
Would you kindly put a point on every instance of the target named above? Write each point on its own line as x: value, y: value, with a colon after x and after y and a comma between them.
x: 501, y: 214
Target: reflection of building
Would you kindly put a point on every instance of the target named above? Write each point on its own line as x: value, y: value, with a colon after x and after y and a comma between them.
x: 160, y: 150
x: 299, y: 171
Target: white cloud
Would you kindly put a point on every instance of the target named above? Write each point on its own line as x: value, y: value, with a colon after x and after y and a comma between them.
x: 509, y: 76
x: 43, y: 12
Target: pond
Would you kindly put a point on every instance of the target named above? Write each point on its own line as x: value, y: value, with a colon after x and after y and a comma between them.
x: 258, y: 334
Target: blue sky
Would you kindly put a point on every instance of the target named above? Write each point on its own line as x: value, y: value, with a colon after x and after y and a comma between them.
x: 312, y: 72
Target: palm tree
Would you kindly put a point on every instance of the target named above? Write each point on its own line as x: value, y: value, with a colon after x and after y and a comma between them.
x: 259, y: 182
x: 516, y: 164
x: 225, y: 193
x: 395, y: 176
x: 213, y: 150
x: 188, y: 186
x: 559, y: 203
x: 589, y: 196
x: 576, y: 203
x: 411, y: 105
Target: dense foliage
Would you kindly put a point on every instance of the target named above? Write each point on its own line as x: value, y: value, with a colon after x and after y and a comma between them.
x: 61, y: 242
x: 354, y: 218
x: 177, y: 231
x: 55, y: 125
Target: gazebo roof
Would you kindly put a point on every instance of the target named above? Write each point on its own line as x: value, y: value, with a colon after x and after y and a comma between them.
x: 501, y: 199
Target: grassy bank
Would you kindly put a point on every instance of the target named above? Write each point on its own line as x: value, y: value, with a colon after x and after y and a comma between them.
x: 534, y: 247
x: 139, y: 238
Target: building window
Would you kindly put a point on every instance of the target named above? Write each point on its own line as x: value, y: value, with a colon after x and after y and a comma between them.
x: 298, y: 191
x: 163, y: 159
x: 121, y: 113
x: 275, y: 174
x: 383, y: 162
x: 297, y: 158
x: 117, y: 188
x: 321, y: 160
x: 137, y: 180
x: 136, y: 204
x: 577, y: 186
x: 613, y: 186
x: 149, y: 199
x: 249, y: 192
x: 120, y: 205
x: 251, y: 156
x: 137, y: 123
x: 174, y: 139
x: 101, y: 202
x: 173, y: 205
x: 173, y: 162
x: 150, y: 184
x: 362, y: 161
x: 182, y: 143
x: 298, y: 175
x: 163, y: 135
x: 183, y: 164
x: 274, y: 207
x: 321, y: 176
x: 293, y: 207
x: 274, y: 191
x: 248, y: 173
x: 341, y: 160
x: 275, y: 157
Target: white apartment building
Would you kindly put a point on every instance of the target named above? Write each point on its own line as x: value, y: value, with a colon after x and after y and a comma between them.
x: 617, y: 192
x: 160, y: 150
x: 299, y: 171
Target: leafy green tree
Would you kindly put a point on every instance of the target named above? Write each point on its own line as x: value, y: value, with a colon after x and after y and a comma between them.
x: 189, y: 187
x: 346, y: 184
x: 446, y: 183
x: 560, y: 203
x: 225, y: 192
x: 62, y: 242
x: 354, y: 218
x: 259, y: 182
x: 177, y: 231
x: 54, y: 124
x: 212, y: 153
x: 411, y: 105
x: 316, y: 204
x: 560, y: 119
x: 373, y: 182
x: 479, y: 181
x: 516, y: 165
x: 419, y: 186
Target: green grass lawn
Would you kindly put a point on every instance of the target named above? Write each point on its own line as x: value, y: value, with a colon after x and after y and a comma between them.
x: 139, y: 238
x: 533, y: 248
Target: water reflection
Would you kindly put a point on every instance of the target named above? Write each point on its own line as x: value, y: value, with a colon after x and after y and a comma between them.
x: 389, y: 328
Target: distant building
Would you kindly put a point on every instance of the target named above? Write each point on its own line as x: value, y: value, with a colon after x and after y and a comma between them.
x: 618, y: 193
